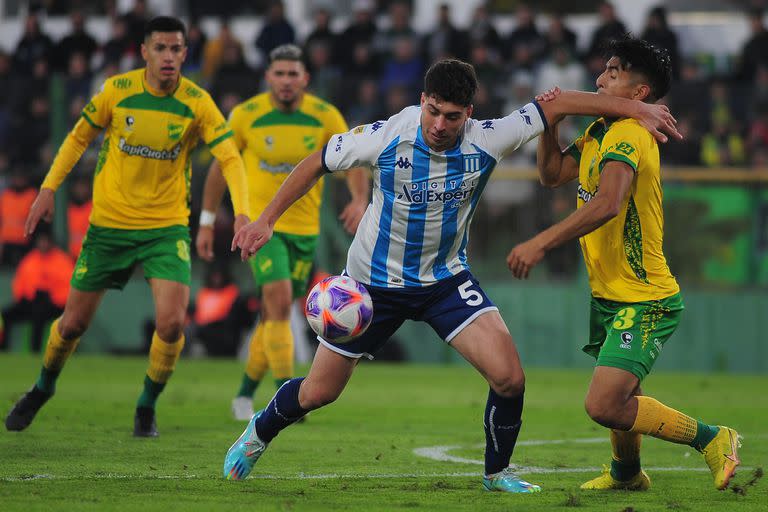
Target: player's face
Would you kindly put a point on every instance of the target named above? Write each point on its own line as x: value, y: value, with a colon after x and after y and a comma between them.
x: 164, y: 53
x: 287, y: 80
x: 441, y: 121
x: 617, y: 81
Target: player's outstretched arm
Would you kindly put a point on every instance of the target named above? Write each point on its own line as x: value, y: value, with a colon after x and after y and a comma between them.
x: 253, y: 236
x: 359, y: 185
x: 71, y: 150
x: 615, y: 182
x: 657, y: 119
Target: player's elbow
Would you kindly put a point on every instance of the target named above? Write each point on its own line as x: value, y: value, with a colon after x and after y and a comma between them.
x: 547, y: 179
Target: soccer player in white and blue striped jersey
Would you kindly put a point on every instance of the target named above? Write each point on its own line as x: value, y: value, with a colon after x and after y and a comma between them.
x: 430, y: 164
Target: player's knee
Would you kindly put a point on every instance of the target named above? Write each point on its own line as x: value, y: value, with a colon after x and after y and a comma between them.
x: 509, y: 385
x: 601, y: 412
x: 277, y: 308
x: 71, y: 327
x: 170, y: 327
x: 316, y: 397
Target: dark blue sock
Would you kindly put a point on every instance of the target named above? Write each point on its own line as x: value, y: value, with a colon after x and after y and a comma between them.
x: 502, y: 422
x: 282, y: 410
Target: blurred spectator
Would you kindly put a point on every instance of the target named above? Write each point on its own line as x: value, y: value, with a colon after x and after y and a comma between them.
x: 135, y: 20
x: 368, y: 106
x: 686, y: 152
x: 31, y: 140
x: 404, y: 69
x: 15, y: 202
x: 33, y: 46
x: 77, y: 82
x: 40, y: 287
x: 482, y: 31
x: 396, y: 99
x: 196, y: 41
x: 485, y: 106
x: 525, y: 43
x: 658, y: 33
x: 220, y: 313
x: 445, y: 40
x: 755, y: 51
x: 559, y: 35
x: 560, y: 70
x: 213, y: 53
x: 120, y: 48
x: 7, y: 91
x: 487, y: 69
x: 689, y: 93
x: 325, y: 78
x: 360, y: 32
x: 610, y: 28
x: 77, y: 41
x: 78, y: 214
x: 722, y: 146
x: 385, y: 41
x: 321, y: 32
x: 233, y: 76
x: 276, y: 31
x: 758, y: 96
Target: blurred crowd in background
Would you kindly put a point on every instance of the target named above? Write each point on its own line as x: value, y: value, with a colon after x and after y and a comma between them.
x: 370, y: 70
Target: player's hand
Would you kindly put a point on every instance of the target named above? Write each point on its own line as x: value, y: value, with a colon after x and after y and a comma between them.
x: 204, y: 243
x: 352, y: 215
x: 42, y: 208
x: 524, y: 257
x: 251, y: 237
x: 240, y: 221
x: 548, y: 95
x: 658, y: 120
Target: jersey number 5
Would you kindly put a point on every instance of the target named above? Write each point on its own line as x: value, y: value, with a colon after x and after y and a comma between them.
x: 471, y: 297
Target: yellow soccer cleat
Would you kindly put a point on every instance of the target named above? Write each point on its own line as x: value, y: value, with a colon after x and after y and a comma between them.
x: 722, y: 457
x: 605, y: 482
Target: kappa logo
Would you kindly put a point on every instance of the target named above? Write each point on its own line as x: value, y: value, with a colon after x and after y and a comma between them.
x: 626, y: 340
x: 524, y: 114
x: 488, y: 125
x: 404, y: 163
x: 375, y: 126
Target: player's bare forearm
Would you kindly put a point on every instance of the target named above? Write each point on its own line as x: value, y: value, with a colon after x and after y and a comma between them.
x: 655, y: 118
x: 554, y: 167
x: 359, y: 184
x: 299, y: 182
x: 213, y: 190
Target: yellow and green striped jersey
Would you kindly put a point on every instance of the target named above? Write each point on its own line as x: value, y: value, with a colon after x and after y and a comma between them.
x: 142, y: 178
x: 272, y: 142
x: 624, y: 256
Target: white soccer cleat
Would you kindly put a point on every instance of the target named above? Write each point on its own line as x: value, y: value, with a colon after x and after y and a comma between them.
x: 242, y: 408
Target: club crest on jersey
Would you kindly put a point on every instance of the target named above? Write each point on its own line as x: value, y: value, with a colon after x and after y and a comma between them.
x: 471, y: 162
x: 269, y: 141
x: 129, y: 122
x: 175, y: 131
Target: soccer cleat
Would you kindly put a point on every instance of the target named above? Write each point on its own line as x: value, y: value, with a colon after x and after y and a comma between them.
x: 606, y: 482
x: 507, y: 481
x: 722, y: 457
x: 242, y: 408
x: 244, y: 453
x: 144, y: 423
x: 26, y: 408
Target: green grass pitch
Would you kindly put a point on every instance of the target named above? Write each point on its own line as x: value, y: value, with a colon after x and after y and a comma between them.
x: 402, y: 437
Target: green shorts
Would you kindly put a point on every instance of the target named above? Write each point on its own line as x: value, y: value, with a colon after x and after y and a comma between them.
x: 630, y: 336
x: 109, y: 256
x: 285, y: 257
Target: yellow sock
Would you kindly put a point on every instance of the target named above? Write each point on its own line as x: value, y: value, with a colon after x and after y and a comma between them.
x: 625, y: 446
x: 162, y: 358
x: 657, y: 420
x: 278, y: 347
x: 257, y: 363
x: 58, y: 350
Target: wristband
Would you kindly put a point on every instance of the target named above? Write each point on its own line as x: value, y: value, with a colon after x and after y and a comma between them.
x: 207, y: 218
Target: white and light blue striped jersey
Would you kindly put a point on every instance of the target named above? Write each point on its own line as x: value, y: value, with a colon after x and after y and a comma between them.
x: 415, y: 231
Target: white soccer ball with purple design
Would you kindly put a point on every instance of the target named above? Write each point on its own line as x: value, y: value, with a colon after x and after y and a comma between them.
x: 339, y: 309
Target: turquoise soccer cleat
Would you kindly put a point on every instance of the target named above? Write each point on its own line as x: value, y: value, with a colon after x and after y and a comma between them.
x: 507, y: 481
x: 244, y: 453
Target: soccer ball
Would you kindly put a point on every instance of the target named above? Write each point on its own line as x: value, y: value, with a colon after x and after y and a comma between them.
x: 339, y: 309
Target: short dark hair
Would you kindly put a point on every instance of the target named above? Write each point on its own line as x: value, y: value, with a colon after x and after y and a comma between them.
x: 639, y: 56
x: 451, y: 80
x: 165, y: 24
x: 286, y: 52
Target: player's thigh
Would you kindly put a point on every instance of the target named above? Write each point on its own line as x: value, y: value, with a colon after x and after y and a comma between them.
x: 276, y: 300
x: 106, y: 260
x: 636, y: 334
x: 487, y: 345
x: 164, y: 254
x: 171, y: 298
x: 327, y: 378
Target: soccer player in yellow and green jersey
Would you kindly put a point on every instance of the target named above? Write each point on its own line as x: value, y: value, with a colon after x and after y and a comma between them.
x: 636, y: 303
x: 274, y: 131
x: 152, y: 119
